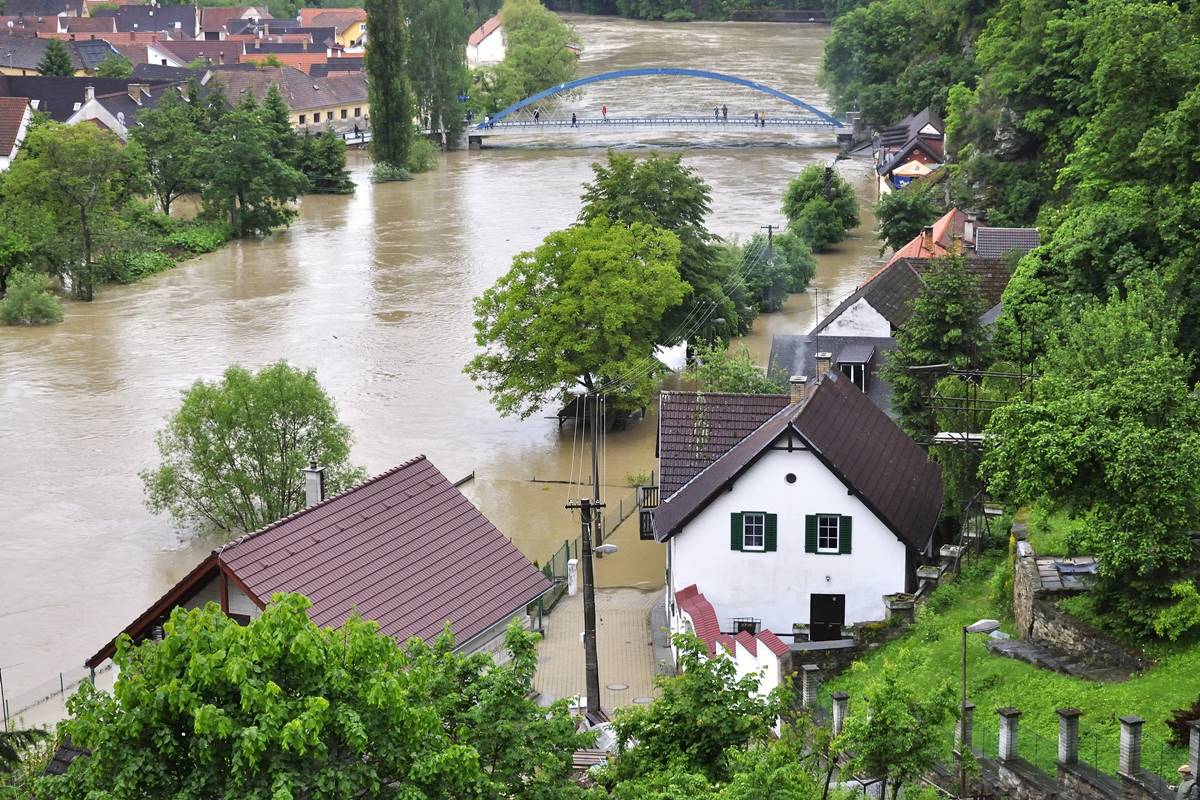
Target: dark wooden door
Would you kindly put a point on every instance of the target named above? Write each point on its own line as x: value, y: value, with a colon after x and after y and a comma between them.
x: 827, y: 614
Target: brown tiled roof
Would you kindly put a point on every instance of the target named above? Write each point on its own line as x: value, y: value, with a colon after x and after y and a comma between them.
x: 405, y: 549
x: 12, y: 113
x: 301, y: 92
x: 907, y: 128
x: 339, y: 18
x: 697, y: 428
x: 890, y: 291
x: 90, y: 24
x: 214, y: 52
x: 214, y: 18
x: 855, y: 440
x: 996, y: 242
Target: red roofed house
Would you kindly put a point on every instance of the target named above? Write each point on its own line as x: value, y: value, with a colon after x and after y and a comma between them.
x: 910, y: 149
x: 14, y: 122
x: 485, y: 46
x: 791, y: 513
x: 762, y: 653
x: 404, y: 548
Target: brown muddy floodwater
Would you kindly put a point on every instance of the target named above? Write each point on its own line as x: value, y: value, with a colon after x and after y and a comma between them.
x: 374, y: 292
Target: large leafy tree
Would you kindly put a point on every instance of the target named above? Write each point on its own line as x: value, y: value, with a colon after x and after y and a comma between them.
x: 584, y: 309
x: 538, y: 55
x: 246, y: 184
x: 388, y: 88
x: 820, y: 206
x: 171, y: 144
x: 1112, y: 436
x: 56, y: 61
x: 944, y: 328
x: 716, y: 370
x: 233, y: 454
x: 114, y: 67
x: 281, y: 708
x: 661, y: 191
x: 80, y: 177
x: 437, y: 67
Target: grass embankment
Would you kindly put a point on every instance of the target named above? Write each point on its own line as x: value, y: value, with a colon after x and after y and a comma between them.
x: 930, y: 654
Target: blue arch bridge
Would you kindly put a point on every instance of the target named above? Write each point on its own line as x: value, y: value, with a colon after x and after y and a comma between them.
x: 519, y: 119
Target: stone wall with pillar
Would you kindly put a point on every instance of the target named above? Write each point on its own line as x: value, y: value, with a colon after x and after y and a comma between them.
x: 841, y: 705
x: 810, y: 682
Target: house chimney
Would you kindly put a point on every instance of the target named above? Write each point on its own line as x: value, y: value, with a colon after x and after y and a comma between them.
x: 314, y: 483
x: 137, y: 90
x: 824, y: 363
x: 89, y: 94
x: 799, y: 388
x: 969, y: 231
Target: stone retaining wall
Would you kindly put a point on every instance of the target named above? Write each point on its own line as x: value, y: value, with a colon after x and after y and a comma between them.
x: 1058, y: 629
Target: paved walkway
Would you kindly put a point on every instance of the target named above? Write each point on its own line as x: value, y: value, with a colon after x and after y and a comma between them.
x: 623, y: 642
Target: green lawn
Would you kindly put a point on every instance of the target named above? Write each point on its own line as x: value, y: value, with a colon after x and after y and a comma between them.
x: 931, y: 653
x: 1049, y: 532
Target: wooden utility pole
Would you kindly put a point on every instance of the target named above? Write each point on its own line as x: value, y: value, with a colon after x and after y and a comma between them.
x: 589, y: 516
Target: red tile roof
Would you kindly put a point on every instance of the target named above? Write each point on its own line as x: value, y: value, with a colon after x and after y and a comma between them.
x: 12, y: 114
x: 704, y: 616
x: 405, y: 549
x: 484, y: 31
x: 214, y: 18
x: 774, y: 643
x: 945, y: 238
x: 747, y: 641
x: 338, y: 18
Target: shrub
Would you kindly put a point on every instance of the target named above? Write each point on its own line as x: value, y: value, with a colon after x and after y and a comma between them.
x: 30, y: 301
x: 131, y: 267
x: 385, y: 173
x: 198, y: 238
x: 678, y: 15
x: 423, y: 157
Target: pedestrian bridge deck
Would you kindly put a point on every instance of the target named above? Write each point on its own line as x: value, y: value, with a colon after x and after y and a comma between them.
x: 590, y: 125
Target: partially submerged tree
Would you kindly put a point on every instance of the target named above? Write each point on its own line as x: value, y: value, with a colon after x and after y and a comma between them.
x: 233, y: 454
x: 820, y: 206
x: 171, y: 145
x: 437, y: 67
x: 584, y: 310
x: 388, y: 89
x: 282, y: 708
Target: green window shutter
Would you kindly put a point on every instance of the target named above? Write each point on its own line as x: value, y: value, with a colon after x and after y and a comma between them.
x: 810, y: 533
x: 735, y: 531
x: 772, y: 533
x: 844, y: 535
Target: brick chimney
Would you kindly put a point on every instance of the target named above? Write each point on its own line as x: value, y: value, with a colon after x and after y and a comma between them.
x: 89, y: 94
x: 824, y: 363
x: 798, y: 385
x: 137, y: 91
x: 969, y: 228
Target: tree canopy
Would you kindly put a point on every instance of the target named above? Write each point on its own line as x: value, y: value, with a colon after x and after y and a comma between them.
x: 388, y: 88
x: 820, y: 206
x: 538, y: 55
x: 56, y: 61
x: 717, y: 370
x: 903, y: 214
x: 281, y: 708
x: 233, y: 454
x: 584, y: 310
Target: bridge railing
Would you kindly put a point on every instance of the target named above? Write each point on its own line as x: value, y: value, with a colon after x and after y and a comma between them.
x: 652, y: 122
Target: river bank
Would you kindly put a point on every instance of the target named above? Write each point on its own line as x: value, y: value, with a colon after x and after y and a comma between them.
x: 373, y: 290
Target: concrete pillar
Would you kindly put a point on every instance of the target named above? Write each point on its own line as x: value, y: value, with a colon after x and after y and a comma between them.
x: 810, y: 680
x: 841, y: 703
x: 1068, y: 735
x: 1194, y: 745
x: 1131, y: 746
x: 572, y: 576
x: 962, y: 738
x: 1009, y: 724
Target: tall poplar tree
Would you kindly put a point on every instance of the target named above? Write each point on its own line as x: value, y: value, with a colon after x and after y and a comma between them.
x: 387, y: 84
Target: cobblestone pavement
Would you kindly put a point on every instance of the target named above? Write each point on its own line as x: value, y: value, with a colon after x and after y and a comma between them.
x: 623, y: 643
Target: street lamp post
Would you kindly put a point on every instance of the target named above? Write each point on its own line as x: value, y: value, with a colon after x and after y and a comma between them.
x: 982, y: 626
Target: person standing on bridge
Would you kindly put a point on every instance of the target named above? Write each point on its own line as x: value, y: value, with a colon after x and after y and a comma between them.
x: 537, y: 114
x: 762, y: 118
x: 574, y: 120
x: 717, y: 113
x: 724, y: 113
x: 604, y: 112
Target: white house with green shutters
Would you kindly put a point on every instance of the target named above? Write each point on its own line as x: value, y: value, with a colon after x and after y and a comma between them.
x: 784, y: 510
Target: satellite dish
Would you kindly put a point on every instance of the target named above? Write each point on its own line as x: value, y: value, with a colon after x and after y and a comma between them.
x: 10, y: 23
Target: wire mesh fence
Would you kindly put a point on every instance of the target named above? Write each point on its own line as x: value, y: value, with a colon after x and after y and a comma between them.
x: 1162, y: 757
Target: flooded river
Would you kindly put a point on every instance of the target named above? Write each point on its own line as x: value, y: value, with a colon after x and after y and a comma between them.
x: 374, y: 292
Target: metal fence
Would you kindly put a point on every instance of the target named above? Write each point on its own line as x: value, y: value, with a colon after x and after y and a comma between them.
x: 1162, y: 758
x: 34, y: 703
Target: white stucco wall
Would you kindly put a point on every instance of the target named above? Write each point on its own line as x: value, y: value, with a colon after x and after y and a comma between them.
x: 776, y: 586
x: 488, y: 52
x: 860, y: 319
x: 239, y: 603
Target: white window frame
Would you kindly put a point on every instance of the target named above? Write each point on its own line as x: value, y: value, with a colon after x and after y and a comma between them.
x: 751, y: 520
x: 837, y: 537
